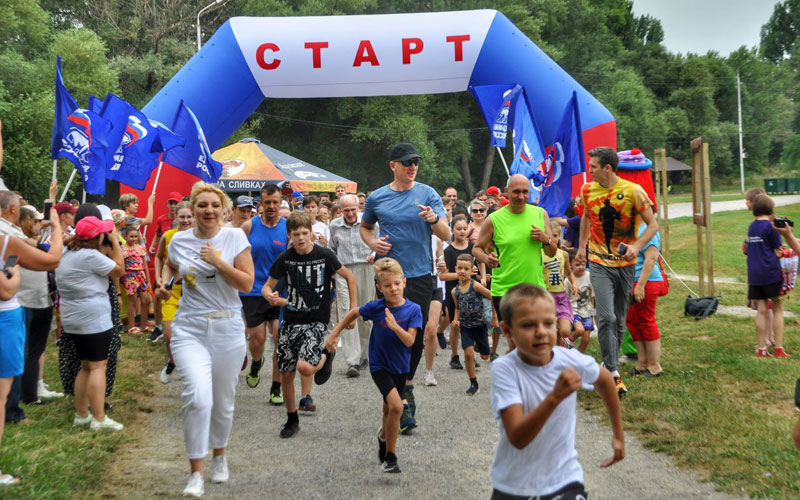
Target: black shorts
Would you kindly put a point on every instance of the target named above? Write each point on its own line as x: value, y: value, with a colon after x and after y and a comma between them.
x: 449, y: 305
x: 387, y: 381
x: 257, y: 310
x: 438, y: 293
x: 477, y: 337
x: 763, y: 292
x: 496, y: 304
x: 572, y: 491
x: 92, y: 347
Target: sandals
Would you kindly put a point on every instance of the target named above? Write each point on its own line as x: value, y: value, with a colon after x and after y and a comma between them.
x: 8, y: 480
x: 134, y: 331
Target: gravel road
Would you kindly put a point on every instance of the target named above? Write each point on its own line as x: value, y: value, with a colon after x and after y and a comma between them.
x: 335, y: 453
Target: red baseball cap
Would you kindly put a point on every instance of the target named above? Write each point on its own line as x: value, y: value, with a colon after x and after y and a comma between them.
x: 175, y: 196
x: 503, y: 201
x: 64, y: 207
x: 493, y: 191
x: 89, y: 227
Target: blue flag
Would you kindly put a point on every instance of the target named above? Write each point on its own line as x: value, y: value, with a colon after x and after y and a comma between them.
x: 495, y: 103
x: 79, y: 135
x: 195, y: 156
x: 565, y: 159
x: 528, y: 148
x: 139, y: 143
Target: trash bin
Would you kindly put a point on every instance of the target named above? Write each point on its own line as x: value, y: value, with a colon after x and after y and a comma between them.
x: 794, y: 184
x: 775, y: 186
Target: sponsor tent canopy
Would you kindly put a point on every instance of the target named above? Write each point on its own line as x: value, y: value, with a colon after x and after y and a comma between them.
x: 249, y: 164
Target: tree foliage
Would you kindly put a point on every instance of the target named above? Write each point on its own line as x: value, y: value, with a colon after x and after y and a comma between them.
x: 660, y: 99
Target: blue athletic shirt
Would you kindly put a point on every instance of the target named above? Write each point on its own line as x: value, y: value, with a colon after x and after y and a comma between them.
x: 266, y: 243
x: 397, y: 214
x: 386, y: 351
x: 655, y: 241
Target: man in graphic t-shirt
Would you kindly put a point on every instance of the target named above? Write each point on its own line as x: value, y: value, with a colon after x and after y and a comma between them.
x: 612, y: 210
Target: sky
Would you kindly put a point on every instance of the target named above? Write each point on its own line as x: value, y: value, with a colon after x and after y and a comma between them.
x: 701, y: 25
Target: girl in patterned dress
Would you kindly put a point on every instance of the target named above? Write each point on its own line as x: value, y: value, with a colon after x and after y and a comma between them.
x: 135, y: 280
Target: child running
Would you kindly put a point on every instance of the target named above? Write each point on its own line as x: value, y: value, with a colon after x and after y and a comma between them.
x: 581, y: 297
x: 533, y: 396
x: 556, y: 270
x: 307, y: 270
x: 395, y: 323
x: 135, y: 279
x: 468, y: 317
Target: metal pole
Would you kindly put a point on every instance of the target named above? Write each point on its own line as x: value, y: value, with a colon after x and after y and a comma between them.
x: 55, y: 166
x: 502, y: 158
x: 69, y: 183
x: 202, y: 11
x: 741, y: 147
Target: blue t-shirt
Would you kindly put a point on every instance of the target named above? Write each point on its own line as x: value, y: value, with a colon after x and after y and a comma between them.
x: 386, y: 351
x: 655, y: 241
x: 763, y: 266
x: 266, y: 244
x: 397, y: 214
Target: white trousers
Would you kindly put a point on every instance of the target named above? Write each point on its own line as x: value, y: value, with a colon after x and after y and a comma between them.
x: 355, y: 341
x: 208, y: 353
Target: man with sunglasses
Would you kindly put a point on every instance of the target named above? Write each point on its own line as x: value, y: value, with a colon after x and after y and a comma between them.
x: 407, y: 213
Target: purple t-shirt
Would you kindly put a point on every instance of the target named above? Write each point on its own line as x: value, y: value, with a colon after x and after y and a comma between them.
x: 763, y: 266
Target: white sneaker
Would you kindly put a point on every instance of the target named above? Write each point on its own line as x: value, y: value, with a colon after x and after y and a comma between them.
x: 429, y: 379
x: 195, y: 487
x: 219, y: 470
x: 78, y: 420
x: 44, y: 393
x: 165, y: 377
x: 107, y: 423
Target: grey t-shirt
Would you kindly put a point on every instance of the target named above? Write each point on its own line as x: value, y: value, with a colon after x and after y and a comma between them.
x: 82, y: 281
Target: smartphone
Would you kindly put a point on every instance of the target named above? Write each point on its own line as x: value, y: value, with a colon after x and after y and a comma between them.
x: 48, y: 204
x: 10, y: 262
x: 797, y: 395
x: 171, y: 283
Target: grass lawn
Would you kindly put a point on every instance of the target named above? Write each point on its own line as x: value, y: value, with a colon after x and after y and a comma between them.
x: 58, y: 461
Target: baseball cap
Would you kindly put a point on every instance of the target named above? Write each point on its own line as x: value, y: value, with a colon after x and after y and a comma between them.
x: 403, y: 151
x: 244, y: 201
x: 64, y: 207
x: 493, y: 191
x: 175, y: 196
x: 285, y: 204
x: 105, y: 212
x: 297, y: 194
x: 89, y: 227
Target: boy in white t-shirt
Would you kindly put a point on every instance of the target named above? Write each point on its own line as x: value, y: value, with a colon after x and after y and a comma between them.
x: 533, y: 396
x: 321, y: 231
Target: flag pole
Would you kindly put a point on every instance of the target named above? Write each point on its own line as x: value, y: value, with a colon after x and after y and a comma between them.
x: 155, y: 184
x: 69, y: 183
x: 83, y: 198
x: 55, y: 167
x: 503, y: 159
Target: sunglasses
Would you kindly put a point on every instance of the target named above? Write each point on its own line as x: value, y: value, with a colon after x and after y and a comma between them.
x: 408, y: 163
x: 478, y: 210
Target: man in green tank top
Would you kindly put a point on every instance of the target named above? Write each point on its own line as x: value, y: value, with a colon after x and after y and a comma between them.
x: 518, y: 232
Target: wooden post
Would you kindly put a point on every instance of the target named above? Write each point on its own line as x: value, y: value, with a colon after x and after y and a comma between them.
x: 665, y: 202
x: 707, y: 218
x: 697, y: 194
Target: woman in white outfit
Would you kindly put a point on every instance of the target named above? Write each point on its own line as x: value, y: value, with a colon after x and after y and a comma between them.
x: 208, y: 343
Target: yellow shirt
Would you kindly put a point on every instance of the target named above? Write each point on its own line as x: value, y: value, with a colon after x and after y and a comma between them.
x: 612, y: 219
x: 554, y: 271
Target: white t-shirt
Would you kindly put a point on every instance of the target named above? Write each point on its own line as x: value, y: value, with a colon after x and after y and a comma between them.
x: 550, y: 461
x: 82, y: 281
x: 204, y: 289
x: 319, y: 228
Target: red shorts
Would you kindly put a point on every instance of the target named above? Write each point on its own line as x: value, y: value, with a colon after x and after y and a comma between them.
x: 641, y: 320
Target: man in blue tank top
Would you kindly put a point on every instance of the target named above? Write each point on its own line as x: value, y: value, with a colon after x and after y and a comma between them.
x: 268, y: 239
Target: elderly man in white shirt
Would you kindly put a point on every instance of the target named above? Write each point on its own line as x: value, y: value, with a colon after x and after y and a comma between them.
x: 356, y: 256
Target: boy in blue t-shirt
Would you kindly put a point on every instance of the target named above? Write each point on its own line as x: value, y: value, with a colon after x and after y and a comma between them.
x: 395, y: 322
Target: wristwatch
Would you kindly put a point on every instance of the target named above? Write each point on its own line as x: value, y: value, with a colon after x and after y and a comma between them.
x: 434, y: 222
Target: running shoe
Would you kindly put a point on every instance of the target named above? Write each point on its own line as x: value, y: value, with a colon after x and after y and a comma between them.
x: 429, y: 379
x: 762, y: 352
x: 290, y: 429
x: 455, y: 363
x: 42, y: 392
x: 276, y: 398
x: 78, y: 420
x: 408, y: 395
x: 442, y: 340
x: 493, y: 356
x: 219, y: 470
x: 156, y: 335
x: 473, y: 389
x: 381, y: 447
x: 621, y: 389
x: 364, y: 364
x: 195, y: 487
x: 165, y: 375
x: 106, y: 423
x: 779, y: 353
x: 306, y: 404
x: 390, y: 465
x: 407, y: 422
x: 324, y: 373
x: 253, y: 379
x: 353, y: 371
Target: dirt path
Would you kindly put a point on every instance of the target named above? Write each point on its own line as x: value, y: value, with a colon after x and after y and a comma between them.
x: 677, y: 210
x: 335, y: 455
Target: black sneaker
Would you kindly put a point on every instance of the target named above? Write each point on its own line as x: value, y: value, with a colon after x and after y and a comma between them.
x: 455, y: 363
x: 390, y: 464
x: 473, y: 390
x: 156, y: 335
x: 493, y: 356
x: 290, y: 429
x: 477, y: 365
x: 324, y: 373
x: 364, y: 364
x: 442, y: 340
x: 381, y: 447
x: 353, y: 371
x: 306, y: 404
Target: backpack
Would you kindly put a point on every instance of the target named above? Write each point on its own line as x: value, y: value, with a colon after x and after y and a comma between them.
x: 700, y: 307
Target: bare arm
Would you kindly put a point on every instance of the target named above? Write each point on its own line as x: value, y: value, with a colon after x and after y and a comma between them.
x: 483, y: 242
x: 406, y: 337
x: 522, y: 429
x: 483, y: 290
x: 32, y: 258
x: 159, y: 260
x: 652, y: 227
x: 441, y: 229
x: 380, y: 246
x: 456, y: 313
x: 650, y: 256
x: 9, y: 286
x: 607, y: 390
x: 786, y: 232
x: 247, y: 227
x: 583, y: 240
x: 550, y: 245
x: 148, y: 219
x: 351, y: 286
x: 116, y: 255
x: 333, y: 339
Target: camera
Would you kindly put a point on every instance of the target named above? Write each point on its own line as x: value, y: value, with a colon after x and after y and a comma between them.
x: 622, y: 248
x: 783, y: 221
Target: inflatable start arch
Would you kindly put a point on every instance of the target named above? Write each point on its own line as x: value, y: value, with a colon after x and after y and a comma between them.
x: 250, y: 59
